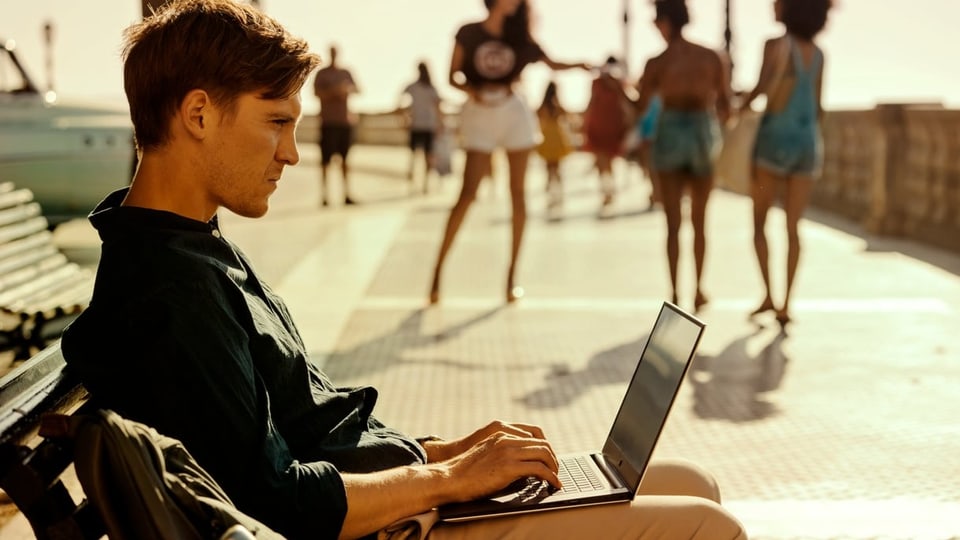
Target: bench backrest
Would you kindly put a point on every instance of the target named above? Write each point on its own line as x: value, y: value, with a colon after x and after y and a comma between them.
x: 38, y: 284
x: 31, y: 466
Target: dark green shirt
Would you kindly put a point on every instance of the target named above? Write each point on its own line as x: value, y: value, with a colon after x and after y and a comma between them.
x: 182, y: 335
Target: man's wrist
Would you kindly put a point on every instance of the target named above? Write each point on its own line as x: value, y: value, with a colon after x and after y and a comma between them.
x: 431, y: 445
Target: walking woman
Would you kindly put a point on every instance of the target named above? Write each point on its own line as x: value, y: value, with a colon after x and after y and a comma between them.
x: 692, y: 82
x: 488, y: 57
x: 605, y: 125
x: 555, y: 145
x: 789, y: 148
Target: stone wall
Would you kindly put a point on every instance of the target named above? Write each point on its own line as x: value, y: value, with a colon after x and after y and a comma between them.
x: 896, y: 170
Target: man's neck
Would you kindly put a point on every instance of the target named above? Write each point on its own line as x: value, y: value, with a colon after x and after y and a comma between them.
x: 166, y: 181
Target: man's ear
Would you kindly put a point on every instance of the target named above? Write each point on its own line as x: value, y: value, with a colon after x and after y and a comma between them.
x: 196, y: 113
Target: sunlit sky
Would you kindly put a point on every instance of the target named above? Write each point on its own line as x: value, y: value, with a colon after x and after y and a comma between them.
x: 877, y: 50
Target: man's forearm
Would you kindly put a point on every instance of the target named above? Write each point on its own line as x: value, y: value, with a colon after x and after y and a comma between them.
x: 378, y: 499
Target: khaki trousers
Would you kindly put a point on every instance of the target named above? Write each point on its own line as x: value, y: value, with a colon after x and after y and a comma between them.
x: 677, y: 500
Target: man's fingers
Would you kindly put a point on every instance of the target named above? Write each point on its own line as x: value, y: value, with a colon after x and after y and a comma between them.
x: 519, y: 450
x: 528, y: 430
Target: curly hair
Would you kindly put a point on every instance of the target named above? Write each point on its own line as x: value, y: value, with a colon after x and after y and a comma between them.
x: 805, y: 18
x: 674, y: 11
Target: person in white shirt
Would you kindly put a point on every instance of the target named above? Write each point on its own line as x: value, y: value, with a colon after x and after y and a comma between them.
x: 425, y: 120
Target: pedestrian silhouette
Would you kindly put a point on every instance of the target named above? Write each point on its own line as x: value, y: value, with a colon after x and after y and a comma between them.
x: 788, y: 153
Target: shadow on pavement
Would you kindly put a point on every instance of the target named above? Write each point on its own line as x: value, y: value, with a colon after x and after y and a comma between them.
x: 943, y: 259
x: 732, y: 384
x: 386, y: 350
x: 562, y: 386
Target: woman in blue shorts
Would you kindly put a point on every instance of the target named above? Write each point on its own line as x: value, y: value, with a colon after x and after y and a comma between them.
x: 789, y: 150
x: 692, y: 82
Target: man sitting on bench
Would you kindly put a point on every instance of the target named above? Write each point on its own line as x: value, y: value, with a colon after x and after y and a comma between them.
x: 183, y: 336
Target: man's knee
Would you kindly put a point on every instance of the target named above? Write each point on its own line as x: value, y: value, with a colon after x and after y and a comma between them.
x: 716, y: 522
x: 676, y: 476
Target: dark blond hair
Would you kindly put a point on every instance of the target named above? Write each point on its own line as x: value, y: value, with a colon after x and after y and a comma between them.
x: 222, y: 47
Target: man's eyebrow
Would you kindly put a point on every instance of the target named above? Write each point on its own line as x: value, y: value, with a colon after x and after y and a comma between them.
x: 275, y: 115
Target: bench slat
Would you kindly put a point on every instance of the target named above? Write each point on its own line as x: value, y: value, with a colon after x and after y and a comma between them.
x: 32, y: 289
x: 19, y: 230
x: 34, y: 470
x: 26, y: 259
x: 19, y: 213
x: 16, y: 285
x: 40, y: 239
x: 38, y: 285
x: 15, y: 197
x: 64, y: 297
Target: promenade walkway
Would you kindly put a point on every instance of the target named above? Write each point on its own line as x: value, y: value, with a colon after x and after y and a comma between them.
x: 846, y: 426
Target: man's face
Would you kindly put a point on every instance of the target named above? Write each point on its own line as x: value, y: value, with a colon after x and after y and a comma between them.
x: 250, y: 149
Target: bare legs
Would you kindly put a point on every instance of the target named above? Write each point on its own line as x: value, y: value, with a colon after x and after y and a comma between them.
x: 554, y: 186
x: 796, y: 197
x: 323, y: 183
x: 672, y: 192
x: 517, y: 161
x: 762, y: 192
x: 605, y: 171
x: 671, y: 189
x: 474, y: 169
x: 650, y: 173
x: 428, y: 165
x: 344, y: 170
x: 477, y: 165
x: 699, y: 195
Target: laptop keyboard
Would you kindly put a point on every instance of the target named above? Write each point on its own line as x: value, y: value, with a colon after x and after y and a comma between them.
x: 576, y: 474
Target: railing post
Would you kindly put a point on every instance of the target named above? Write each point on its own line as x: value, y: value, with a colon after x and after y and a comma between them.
x: 884, y: 214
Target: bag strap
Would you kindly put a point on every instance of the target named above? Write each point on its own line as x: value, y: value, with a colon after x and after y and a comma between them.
x: 780, y: 67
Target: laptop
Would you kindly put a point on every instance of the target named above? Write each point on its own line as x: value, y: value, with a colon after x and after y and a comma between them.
x: 614, y: 474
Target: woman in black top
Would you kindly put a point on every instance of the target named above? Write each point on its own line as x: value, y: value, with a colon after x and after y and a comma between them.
x: 488, y: 57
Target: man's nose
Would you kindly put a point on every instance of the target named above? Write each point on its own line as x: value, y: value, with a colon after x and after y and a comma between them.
x: 287, y: 151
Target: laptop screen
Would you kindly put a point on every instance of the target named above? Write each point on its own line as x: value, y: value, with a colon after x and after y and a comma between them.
x: 651, y: 392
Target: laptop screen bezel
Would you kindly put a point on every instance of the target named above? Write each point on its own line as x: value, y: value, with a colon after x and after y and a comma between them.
x: 612, y: 453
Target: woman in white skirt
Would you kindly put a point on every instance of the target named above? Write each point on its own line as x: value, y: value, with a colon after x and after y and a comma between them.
x: 488, y: 57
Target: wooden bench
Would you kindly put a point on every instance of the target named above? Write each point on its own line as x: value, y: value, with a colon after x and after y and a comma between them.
x: 37, y: 478
x: 38, y: 285
x: 35, y: 472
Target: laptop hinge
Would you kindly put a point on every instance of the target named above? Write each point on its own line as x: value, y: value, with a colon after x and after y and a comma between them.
x: 613, y: 475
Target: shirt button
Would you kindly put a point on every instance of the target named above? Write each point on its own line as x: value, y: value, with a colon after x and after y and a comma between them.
x: 216, y: 233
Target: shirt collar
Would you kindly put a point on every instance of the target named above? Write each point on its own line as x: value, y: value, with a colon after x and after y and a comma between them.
x: 110, y: 217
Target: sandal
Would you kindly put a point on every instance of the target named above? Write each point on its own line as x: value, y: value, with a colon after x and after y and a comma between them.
x: 766, y: 306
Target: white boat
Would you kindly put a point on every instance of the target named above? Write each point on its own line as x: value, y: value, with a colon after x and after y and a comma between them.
x: 70, y: 155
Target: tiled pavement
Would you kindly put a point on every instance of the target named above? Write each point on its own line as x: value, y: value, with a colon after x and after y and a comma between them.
x: 845, y: 427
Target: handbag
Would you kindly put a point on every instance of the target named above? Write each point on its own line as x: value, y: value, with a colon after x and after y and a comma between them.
x: 443, y: 153
x: 734, y: 165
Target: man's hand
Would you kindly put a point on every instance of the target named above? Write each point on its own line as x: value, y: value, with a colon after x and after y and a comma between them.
x: 461, y: 470
x: 493, y: 457
x: 446, y: 449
